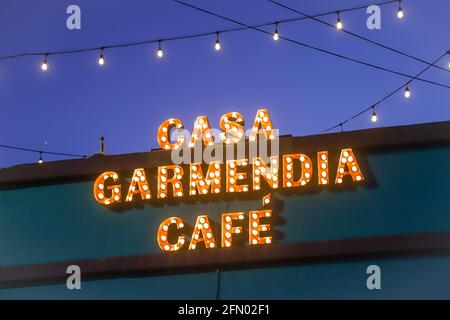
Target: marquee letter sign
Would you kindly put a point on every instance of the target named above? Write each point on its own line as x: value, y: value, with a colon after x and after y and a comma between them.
x: 288, y: 172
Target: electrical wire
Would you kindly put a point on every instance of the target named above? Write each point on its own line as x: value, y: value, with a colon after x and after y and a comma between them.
x: 183, y: 37
x: 358, y: 36
x: 43, y: 151
x: 390, y: 94
x: 311, y: 46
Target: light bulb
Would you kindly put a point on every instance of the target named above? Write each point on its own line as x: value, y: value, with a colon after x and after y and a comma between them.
x: 101, y: 60
x: 276, y: 35
x: 339, y: 23
x: 407, y: 92
x: 160, y: 52
x: 449, y: 65
x: 40, y: 159
x: 217, y: 45
x: 374, y: 117
x: 400, y: 13
x: 44, y: 65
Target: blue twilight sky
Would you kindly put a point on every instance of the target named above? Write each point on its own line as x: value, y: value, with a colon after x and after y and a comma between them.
x: 68, y: 108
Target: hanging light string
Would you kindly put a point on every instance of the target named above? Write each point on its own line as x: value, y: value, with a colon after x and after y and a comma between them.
x: 341, y: 124
x: 356, y: 35
x: 138, y: 43
x: 42, y: 152
x: 101, y: 49
x: 44, y: 64
x: 311, y: 46
x: 405, y: 86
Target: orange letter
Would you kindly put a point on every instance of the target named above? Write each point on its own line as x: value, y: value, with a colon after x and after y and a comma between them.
x: 228, y: 229
x: 348, y: 160
x: 233, y: 176
x: 163, y: 235
x: 164, y: 134
x: 202, y: 227
x: 141, y: 182
x: 203, y: 183
x: 163, y: 181
x: 288, y: 170
x: 269, y: 174
x: 201, y: 132
x: 322, y: 165
x: 262, y: 120
x: 232, y: 123
x: 99, y: 188
x: 254, y: 227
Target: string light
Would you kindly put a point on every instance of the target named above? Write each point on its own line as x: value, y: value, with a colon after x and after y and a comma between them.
x: 101, y: 59
x: 160, y: 52
x: 243, y: 27
x: 374, y: 117
x: 390, y: 94
x: 217, y: 44
x: 407, y: 92
x: 40, y: 161
x: 400, y: 13
x: 276, y: 35
x: 44, y: 65
x: 339, y: 23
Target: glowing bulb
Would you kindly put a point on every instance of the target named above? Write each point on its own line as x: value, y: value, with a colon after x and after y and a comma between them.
x: 400, y: 11
x: 407, y: 92
x: 101, y: 59
x: 449, y: 65
x: 276, y: 35
x: 40, y: 159
x: 374, y: 116
x: 217, y: 44
x: 339, y: 23
x: 160, y: 52
x: 44, y: 65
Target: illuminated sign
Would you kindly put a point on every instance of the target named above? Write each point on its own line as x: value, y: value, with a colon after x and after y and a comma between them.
x: 251, y: 173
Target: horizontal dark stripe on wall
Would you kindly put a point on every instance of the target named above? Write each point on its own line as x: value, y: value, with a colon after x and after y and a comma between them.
x: 230, y: 258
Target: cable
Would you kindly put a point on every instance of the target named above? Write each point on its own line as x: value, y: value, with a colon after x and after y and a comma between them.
x: 41, y: 152
x: 137, y: 43
x: 310, y: 46
x: 357, y: 35
x: 219, y: 273
x: 341, y: 124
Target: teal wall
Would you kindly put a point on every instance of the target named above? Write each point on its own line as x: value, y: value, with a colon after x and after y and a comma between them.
x: 408, y: 278
x: 63, y: 221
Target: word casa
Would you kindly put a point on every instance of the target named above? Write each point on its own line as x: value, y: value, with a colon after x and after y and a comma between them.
x: 296, y: 172
x: 203, y: 233
x: 231, y: 123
